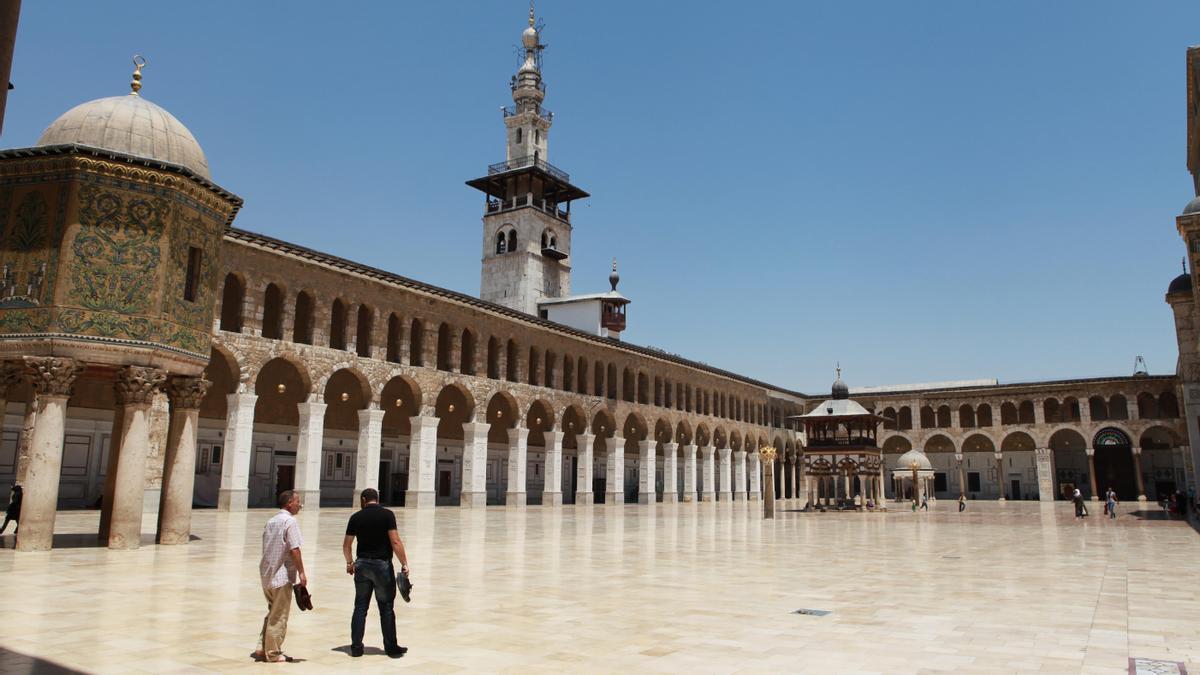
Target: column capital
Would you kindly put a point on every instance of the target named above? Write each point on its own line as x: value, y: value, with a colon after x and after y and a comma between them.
x: 958, y: 456
x: 1089, y: 451
x: 518, y: 434
x: 53, y: 376
x: 311, y: 408
x: 137, y: 385
x: 739, y: 454
x: 585, y: 440
x: 999, y: 455
x: 1137, y: 449
x: 425, y: 421
x: 553, y: 437
x: 645, y: 445
x: 1043, y: 452
x: 370, y: 415
x: 724, y: 452
x: 670, y: 447
x: 187, y: 392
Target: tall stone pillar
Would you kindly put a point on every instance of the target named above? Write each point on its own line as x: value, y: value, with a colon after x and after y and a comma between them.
x: 474, y: 466
x: 135, y: 389
x: 670, y: 473
x: 422, y: 461
x: 234, y: 493
x: 53, y: 379
x: 583, y: 469
x: 179, y: 464
x: 689, y: 473
x: 518, y: 460
x: 370, y: 442
x: 739, y: 475
x: 1137, y: 471
x: 769, y: 492
x: 755, y: 476
x: 1044, y: 460
x: 725, y: 481
x: 1000, y: 474
x: 962, y: 476
x: 23, y: 446
x: 309, y: 449
x: 614, y: 484
x: 552, y: 490
x: 1091, y: 455
x: 647, y: 473
x: 709, y: 491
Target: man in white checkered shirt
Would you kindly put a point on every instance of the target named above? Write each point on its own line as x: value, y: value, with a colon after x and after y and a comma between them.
x: 281, y: 567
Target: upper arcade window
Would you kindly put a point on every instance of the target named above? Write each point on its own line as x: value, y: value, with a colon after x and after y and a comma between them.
x: 518, y: 135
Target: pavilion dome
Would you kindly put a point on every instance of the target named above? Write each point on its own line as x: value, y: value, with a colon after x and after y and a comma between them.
x: 839, y: 391
x: 906, y: 460
x: 1181, y: 284
x: 1192, y: 207
x: 129, y: 125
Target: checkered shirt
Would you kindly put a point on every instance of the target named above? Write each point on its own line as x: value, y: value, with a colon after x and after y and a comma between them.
x: 280, y: 536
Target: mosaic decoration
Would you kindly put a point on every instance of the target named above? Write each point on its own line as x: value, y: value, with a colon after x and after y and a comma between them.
x: 1110, y: 437
x: 117, y: 251
x: 27, y: 254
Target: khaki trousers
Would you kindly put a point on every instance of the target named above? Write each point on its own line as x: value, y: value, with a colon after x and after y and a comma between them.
x: 279, y: 603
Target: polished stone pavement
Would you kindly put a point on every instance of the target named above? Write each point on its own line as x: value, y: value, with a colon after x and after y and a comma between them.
x: 1017, y: 587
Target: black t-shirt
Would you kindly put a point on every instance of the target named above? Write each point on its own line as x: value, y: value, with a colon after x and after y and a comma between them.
x: 370, y: 526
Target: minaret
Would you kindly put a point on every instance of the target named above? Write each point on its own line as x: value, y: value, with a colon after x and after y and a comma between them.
x: 527, y: 206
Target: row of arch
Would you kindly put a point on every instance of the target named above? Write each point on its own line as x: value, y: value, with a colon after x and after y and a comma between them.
x: 1156, y: 437
x: 417, y: 342
x: 1164, y: 405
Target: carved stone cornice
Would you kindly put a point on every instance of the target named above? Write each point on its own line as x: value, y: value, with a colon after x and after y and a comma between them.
x: 187, y: 392
x: 137, y: 385
x: 52, y: 376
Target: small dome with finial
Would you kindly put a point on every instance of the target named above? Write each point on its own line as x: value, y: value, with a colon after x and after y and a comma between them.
x: 613, y: 277
x: 1181, y: 283
x: 530, y: 37
x: 839, y: 391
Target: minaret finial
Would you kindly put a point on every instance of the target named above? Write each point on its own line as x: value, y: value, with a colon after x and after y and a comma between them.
x: 839, y: 370
x: 531, y: 13
x: 135, y: 84
x: 613, y: 277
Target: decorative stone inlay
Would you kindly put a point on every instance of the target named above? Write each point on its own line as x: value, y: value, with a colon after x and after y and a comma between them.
x: 53, y: 376
x: 138, y: 384
x: 187, y: 392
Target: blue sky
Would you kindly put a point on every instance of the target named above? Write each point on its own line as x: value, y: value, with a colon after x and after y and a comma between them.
x: 920, y: 190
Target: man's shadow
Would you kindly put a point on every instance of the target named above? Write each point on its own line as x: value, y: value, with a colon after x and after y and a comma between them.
x: 367, y: 651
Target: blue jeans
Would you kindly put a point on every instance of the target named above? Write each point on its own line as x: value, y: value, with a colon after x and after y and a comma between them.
x: 378, y: 577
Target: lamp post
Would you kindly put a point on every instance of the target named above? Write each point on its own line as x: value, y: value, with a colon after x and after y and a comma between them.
x: 914, y: 465
x: 767, y: 455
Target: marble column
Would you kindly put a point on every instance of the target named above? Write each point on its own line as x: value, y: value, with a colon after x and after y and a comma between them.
x: 135, y: 389
x: 709, y: 494
x: 755, y: 476
x: 179, y: 463
x: 1000, y: 474
x: 769, y: 490
x: 739, y: 475
x: 962, y: 476
x: 518, y: 462
x: 1044, y: 461
x: 309, y: 451
x: 474, y: 466
x: 1091, y: 455
x: 422, y: 461
x: 670, y: 473
x: 689, y: 473
x: 23, y: 446
x: 725, y: 481
x: 370, y: 442
x: 552, y: 490
x: 614, y: 483
x: 646, y: 473
x: 53, y: 381
x: 1137, y: 472
x: 234, y: 493
x: 584, y: 444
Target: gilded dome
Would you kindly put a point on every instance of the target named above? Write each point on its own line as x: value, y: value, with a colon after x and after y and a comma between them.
x: 906, y: 461
x: 130, y: 125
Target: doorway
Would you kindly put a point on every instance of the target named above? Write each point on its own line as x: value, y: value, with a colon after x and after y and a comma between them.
x: 285, y: 477
x: 445, y: 484
x: 1014, y: 489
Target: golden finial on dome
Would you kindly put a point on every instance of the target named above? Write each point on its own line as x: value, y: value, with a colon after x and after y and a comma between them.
x: 135, y: 84
x: 531, y: 13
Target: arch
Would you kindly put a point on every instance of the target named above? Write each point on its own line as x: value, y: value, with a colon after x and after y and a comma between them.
x: 345, y: 392
x: 634, y: 429
x: 687, y: 398
x: 549, y: 239
x: 574, y: 422
x: 683, y: 433
x: 735, y: 440
x: 548, y: 372
x: 512, y: 240
x: 445, y: 347
x: 904, y: 421
x: 627, y: 385
x: 539, y: 419
x: 1147, y: 406
x: 416, y: 343
x: 1070, y: 409
x: 272, y: 322
x: 337, y: 324
x: 581, y: 381
x: 224, y: 373
x: 362, y: 333
x: 928, y: 418
x: 939, y: 443
x: 643, y: 388
x: 1111, y: 437
x: 394, y: 330
x: 501, y: 242
x: 611, y: 378
x: 1168, y: 405
x: 1008, y: 413
x: 1098, y: 408
x: 568, y: 373
x: 1067, y: 439
x: 1118, y: 407
x: 534, y: 363
x: 1159, y: 437
x: 1114, y: 462
x: 233, y: 296
x: 979, y: 443
x: 1070, y: 462
x: 466, y: 355
x: 702, y: 435
x: 943, y: 417
x: 281, y: 384
x: 493, y: 358
x: 889, y: 418
x: 983, y: 415
x: 302, y: 322
x: 719, y: 438
x: 454, y: 407
x: 1017, y: 441
x: 603, y: 424
x: 1025, y: 413
x: 511, y: 372
x: 966, y: 416
x: 658, y: 391
x: 400, y: 400
x: 1052, y: 411
x: 897, y: 444
x: 598, y: 380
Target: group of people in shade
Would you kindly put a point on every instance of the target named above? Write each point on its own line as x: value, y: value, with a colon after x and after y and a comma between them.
x: 282, y: 573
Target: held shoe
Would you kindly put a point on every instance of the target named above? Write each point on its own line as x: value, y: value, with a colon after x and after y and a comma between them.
x: 404, y: 586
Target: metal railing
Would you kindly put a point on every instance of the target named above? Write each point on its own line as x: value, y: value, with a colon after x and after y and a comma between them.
x: 529, y: 160
x: 512, y: 111
x: 498, y: 205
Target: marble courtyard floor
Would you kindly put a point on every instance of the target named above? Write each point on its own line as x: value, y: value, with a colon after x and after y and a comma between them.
x: 1017, y: 587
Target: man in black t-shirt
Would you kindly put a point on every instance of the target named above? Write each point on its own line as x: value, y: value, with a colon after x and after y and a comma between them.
x: 375, y: 528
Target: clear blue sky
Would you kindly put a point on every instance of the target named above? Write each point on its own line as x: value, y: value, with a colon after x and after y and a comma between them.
x: 920, y: 190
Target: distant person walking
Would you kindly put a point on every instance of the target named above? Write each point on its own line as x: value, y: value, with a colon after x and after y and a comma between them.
x: 1080, y: 509
x: 925, y: 501
x: 962, y: 503
x: 281, y: 568
x: 1110, y: 503
x: 375, y: 528
x: 13, y: 512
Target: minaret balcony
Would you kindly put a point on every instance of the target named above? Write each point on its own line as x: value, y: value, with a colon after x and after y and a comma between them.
x: 529, y: 161
x: 527, y: 201
x: 514, y: 110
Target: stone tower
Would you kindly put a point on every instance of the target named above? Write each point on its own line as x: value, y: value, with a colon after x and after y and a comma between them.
x: 527, y: 211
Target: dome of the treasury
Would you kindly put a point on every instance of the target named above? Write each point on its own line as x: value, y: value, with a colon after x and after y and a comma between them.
x: 906, y: 460
x: 130, y: 125
x: 1192, y: 207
